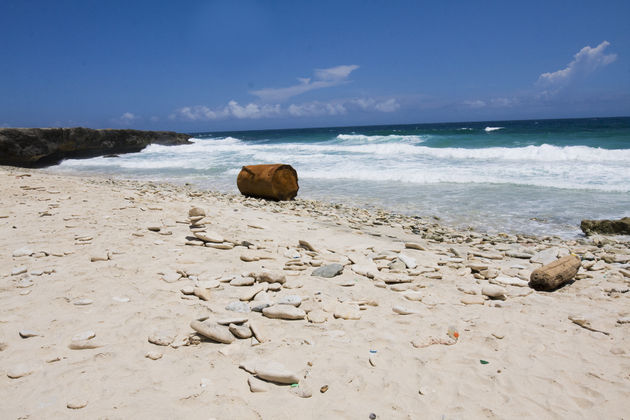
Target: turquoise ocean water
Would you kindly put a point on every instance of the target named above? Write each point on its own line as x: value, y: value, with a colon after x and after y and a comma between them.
x: 539, y: 177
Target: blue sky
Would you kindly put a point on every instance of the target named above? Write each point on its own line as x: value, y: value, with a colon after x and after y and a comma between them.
x: 219, y: 65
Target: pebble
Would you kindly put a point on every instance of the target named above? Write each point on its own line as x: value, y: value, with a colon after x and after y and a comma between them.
x: 258, y: 331
x: 153, y: 355
x: 187, y: 290
x: 162, y: 338
x: 276, y: 372
x: 328, y: 271
x: 413, y: 295
x: 306, y: 245
x: 317, y: 316
x: 28, y: 333
x: 258, y: 306
x: 171, y: 276
x: 494, y: 292
x: 271, y: 277
x: 284, y: 312
x: 85, y: 335
x: 22, y: 252
x: 413, y: 245
x: 473, y: 300
x: 76, y: 404
x: 294, y: 300
x: 545, y: 257
x: 213, y: 331
x: 509, y: 281
x: 402, y: 310
x: 203, y: 294
x: 24, y: 283
x: 224, y: 245
x: 274, y: 287
x: 236, y: 320
x: 240, y: 331
x: 196, y: 212
x: 19, y: 270
x: 121, y: 299
x: 209, y: 236
x: 83, y: 302
x: 207, y: 284
x: 238, y: 306
x: 256, y: 385
x: 19, y: 371
x: 408, y: 261
x: 242, y: 281
x: 347, y: 312
x: 83, y: 345
x: 249, y: 294
x: 598, y: 266
x: 249, y: 257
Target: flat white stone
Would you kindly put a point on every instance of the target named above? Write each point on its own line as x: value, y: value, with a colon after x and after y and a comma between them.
x: 402, y: 310
x: 213, y: 331
x: 23, y: 252
x: 294, y: 300
x: 276, y: 372
x: 209, y: 236
x: 85, y: 335
x: 494, y: 292
x: 19, y: 371
x: 284, y: 312
x: 410, y: 262
x: 256, y: 385
x: 83, y: 302
x: 19, y: 270
x: 153, y: 355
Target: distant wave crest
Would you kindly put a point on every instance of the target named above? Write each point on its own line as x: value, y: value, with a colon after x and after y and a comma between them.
x: 490, y: 129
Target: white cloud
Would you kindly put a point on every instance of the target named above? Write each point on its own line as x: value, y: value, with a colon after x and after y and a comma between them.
x: 127, y: 117
x: 584, y: 62
x: 316, y: 108
x: 232, y: 109
x: 475, y: 104
x: 195, y: 113
x: 322, y: 78
x: 254, y: 111
x: 370, y: 104
x: 389, y: 105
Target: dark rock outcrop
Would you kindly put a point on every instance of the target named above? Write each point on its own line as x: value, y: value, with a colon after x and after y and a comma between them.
x: 606, y: 227
x: 38, y: 147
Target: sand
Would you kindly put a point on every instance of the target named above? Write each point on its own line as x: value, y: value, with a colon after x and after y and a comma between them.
x: 87, y: 284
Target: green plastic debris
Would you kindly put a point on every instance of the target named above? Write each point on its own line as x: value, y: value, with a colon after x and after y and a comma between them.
x: 484, y: 362
x: 295, y: 385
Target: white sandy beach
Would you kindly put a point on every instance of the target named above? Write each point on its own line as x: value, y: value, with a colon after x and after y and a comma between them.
x: 79, y: 260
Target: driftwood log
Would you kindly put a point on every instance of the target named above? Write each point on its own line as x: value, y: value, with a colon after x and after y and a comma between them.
x: 554, y: 275
x: 273, y: 182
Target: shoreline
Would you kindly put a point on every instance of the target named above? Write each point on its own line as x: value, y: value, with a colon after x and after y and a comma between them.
x: 331, y: 203
x: 103, y: 279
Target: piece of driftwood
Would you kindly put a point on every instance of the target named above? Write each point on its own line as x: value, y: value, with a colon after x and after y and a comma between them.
x: 556, y: 274
x: 273, y: 182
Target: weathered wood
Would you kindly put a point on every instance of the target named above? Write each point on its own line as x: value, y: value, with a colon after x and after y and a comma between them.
x: 554, y: 275
x: 274, y: 182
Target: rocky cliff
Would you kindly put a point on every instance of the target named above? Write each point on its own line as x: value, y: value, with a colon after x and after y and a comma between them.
x: 37, y: 147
